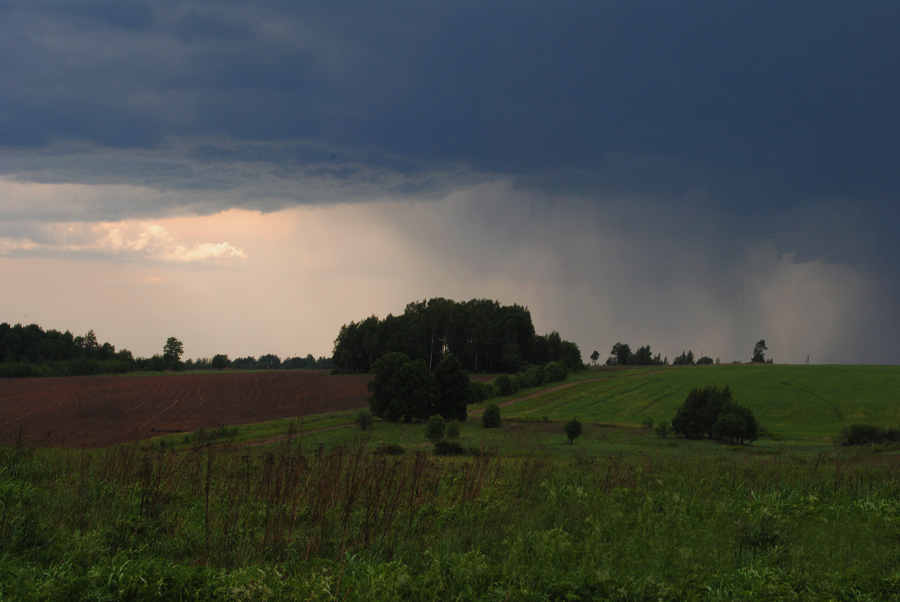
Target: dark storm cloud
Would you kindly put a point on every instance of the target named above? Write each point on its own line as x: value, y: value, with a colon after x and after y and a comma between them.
x: 746, y: 125
x: 765, y: 100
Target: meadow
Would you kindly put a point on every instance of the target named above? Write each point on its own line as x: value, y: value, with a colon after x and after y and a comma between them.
x: 620, y: 514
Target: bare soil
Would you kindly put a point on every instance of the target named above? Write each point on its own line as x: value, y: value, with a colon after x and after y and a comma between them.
x: 96, y: 411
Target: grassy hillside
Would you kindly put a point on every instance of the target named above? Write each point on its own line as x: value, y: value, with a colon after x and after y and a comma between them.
x: 809, y: 402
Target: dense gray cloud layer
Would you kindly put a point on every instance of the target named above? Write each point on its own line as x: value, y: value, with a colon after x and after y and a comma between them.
x: 711, y: 132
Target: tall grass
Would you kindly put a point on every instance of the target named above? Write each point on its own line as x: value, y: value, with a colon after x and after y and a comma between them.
x: 217, y: 523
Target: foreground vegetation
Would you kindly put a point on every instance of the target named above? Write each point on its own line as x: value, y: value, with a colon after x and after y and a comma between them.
x: 528, y: 512
x: 217, y: 523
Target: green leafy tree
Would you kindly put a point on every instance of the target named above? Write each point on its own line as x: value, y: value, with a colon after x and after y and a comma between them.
x: 736, y: 424
x: 401, y: 389
x: 595, y: 356
x: 759, y: 352
x: 573, y: 430
x: 622, y: 353
x: 555, y: 372
x: 383, y: 388
x: 453, y: 391
x: 172, y: 352
x: 490, y: 418
x: 662, y: 429
x: 364, y: 420
x: 504, y: 385
x: 696, y: 417
x: 435, y: 428
x: 219, y: 361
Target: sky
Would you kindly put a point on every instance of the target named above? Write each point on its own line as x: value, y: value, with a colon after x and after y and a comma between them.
x: 247, y: 177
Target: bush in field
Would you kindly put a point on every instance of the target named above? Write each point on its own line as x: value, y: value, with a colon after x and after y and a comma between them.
x: 536, y: 375
x: 453, y: 430
x: 662, y: 429
x: 736, y: 424
x: 573, y: 430
x: 482, y: 391
x: 555, y: 372
x: 490, y: 419
x: 711, y: 412
x: 867, y: 434
x: 390, y: 449
x: 435, y: 428
x: 365, y: 421
x: 696, y: 417
x: 448, y: 448
x: 504, y: 385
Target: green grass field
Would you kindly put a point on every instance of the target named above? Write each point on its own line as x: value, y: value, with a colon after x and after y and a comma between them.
x: 621, y: 514
x: 808, y: 402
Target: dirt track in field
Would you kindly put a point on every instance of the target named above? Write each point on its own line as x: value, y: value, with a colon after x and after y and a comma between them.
x: 96, y: 411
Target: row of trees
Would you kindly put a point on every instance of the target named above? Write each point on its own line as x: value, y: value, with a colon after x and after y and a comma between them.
x: 621, y: 355
x: 269, y: 361
x: 32, y: 351
x: 483, y: 335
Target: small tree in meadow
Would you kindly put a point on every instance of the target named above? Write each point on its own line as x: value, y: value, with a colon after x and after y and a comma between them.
x: 662, y: 429
x: 364, y: 420
x: 435, y: 429
x: 490, y: 419
x: 573, y: 430
x: 452, y: 430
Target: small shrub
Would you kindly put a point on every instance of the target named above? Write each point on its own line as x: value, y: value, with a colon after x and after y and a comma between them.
x: 365, y: 420
x: 504, y: 385
x: 448, y: 448
x: 662, y: 429
x: 477, y: 451
x: 573, y: 430
x: 536, y: 375
x: 490, y: 419
x: 555, y: 372
x: 453, y: 430
x: 482, y: 391
x: 390, y: 449
x: 648, y: 423
x: 435, y: 428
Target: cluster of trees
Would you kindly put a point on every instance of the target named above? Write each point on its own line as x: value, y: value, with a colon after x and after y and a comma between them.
x: 621, y: 355
x: 483, y: 335
x: 32, y: 351
x: 711, y: 412
x: 404, y: 389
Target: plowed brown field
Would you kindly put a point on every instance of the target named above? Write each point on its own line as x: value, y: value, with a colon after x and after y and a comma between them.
x: 95, y: 411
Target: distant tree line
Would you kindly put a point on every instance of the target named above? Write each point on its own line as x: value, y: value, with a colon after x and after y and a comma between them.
x: 269, y: 361
x: 622, y: 355
x: 483, y: 335
x: 27, y: 351
x: 32, y: 351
